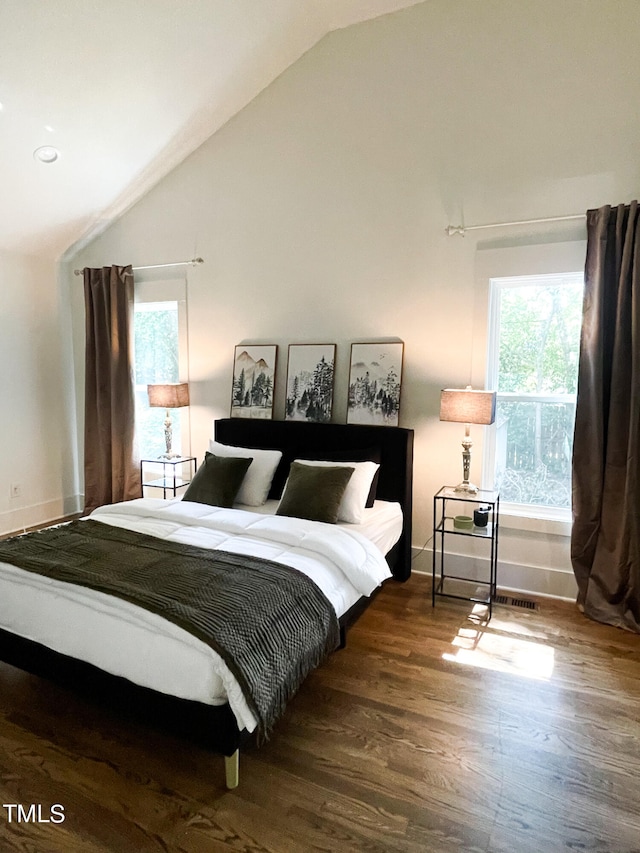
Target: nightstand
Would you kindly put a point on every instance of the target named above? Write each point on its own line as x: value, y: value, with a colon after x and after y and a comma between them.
x: 449, y: 504
x: 174, y: 474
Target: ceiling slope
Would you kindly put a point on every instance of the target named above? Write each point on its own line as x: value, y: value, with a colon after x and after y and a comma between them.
x: 125, y: 90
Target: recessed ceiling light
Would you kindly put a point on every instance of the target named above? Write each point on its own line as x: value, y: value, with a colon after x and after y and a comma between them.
x: 46, y: 154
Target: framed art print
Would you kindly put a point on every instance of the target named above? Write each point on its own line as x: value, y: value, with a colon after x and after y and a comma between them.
x: 254, y: 368
x: 375, y: 378
x: 310, y: 373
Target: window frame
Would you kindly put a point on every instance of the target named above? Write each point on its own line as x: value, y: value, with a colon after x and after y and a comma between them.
x: 524, y: 255
x: 174, y: 291
x: 497, y: 285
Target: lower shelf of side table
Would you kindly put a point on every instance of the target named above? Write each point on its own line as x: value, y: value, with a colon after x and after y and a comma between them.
x: 463, y: 589
x: 167, y: 483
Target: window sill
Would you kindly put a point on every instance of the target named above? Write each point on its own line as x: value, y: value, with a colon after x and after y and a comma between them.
x: 553, y: 522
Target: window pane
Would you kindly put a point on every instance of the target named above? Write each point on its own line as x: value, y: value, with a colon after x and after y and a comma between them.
x: 533, y: 357
x: 156, y: 342
x: 540, y: 338
x: 156, y: 360
x: 533, y: 452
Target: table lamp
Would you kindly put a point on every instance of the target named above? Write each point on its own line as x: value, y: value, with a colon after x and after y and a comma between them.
x: 466, y: 406
x: 169, y: 396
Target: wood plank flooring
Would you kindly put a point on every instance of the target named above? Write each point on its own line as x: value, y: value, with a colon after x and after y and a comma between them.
x: 429, y: 732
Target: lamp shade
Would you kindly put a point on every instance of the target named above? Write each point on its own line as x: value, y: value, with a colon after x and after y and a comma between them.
x: 173, y: 395
x: 465, y: 406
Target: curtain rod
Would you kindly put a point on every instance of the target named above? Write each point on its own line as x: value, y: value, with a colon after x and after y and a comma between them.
x: 462, y: 229
x: 193, y: 262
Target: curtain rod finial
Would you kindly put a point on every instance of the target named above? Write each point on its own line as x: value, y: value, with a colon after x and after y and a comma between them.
x: 450, y: 230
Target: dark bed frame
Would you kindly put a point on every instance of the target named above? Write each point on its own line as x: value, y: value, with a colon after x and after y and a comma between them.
x: 293, y: 438
x: 215, y: 727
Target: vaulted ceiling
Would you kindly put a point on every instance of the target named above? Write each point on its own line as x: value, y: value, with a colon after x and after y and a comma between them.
x: 126, y: 89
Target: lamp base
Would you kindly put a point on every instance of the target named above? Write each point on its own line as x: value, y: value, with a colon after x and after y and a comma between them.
x: 169, y: 456
x: 467, y: 488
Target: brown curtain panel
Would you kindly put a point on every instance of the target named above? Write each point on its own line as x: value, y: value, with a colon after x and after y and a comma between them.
x: 110, y: 472
x: 605, y: 547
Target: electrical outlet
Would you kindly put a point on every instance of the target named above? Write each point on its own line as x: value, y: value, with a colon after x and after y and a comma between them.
x: 16, y: 490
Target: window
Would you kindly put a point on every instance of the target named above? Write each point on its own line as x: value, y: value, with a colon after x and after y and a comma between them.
x: 159, y: 356
x: 534, y: 344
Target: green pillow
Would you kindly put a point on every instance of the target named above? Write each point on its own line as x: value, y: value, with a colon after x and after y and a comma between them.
x: 314, y: 492
x: 217, y: 481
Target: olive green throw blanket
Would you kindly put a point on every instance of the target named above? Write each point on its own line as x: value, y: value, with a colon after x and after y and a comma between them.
x: 270, y: 624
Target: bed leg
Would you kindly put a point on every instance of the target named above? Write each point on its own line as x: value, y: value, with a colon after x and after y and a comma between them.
x: 343, y: 637
x: 232, y: 769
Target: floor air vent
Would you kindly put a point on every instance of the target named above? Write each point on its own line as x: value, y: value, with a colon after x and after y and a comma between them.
x: 516, y: 602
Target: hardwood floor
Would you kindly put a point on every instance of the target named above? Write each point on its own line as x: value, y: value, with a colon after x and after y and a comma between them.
x: 429, y: 732
x: 51, y: 523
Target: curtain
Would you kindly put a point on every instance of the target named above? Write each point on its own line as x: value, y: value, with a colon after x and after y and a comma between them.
x: 110, y: 472
x: 605, y: 548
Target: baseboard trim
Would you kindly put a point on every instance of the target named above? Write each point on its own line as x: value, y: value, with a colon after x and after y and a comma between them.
x: 519, y: 578
x: 37, y: 515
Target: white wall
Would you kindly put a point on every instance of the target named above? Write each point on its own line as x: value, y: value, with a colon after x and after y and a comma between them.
x: 321, y: 208
x: 38, y: 455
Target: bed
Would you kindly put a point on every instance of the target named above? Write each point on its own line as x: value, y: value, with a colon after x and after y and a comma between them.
x: 181, y: 678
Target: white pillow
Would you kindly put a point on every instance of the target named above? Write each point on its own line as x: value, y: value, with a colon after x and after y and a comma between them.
x: 355, y: 497
x: 257, y: 481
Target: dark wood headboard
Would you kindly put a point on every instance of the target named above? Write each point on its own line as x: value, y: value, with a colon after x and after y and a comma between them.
x: 395, y: 480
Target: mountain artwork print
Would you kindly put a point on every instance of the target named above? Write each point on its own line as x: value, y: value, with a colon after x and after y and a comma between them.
x: 375, y: 379
x: 310, y: 382
x: 253, y: 379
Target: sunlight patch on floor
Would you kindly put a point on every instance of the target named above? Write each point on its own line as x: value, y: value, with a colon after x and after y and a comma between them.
x: 489, y: 646
x: 511, y: 627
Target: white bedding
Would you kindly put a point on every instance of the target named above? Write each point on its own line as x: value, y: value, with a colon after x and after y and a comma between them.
x: 381, y: 524
x: 125, y: 640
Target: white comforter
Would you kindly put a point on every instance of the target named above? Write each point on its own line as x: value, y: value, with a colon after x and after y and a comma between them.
x: 128, y: 641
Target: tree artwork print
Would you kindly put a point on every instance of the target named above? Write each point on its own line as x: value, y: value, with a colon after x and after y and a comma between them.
x: 375, y: 379
x: 253, y: 381
x: 310, y: 375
